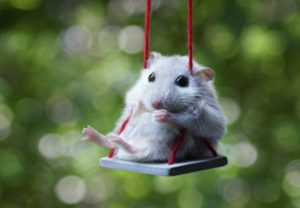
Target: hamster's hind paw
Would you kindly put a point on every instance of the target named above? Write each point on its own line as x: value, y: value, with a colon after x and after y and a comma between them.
x: 92, y: 135
x: 90, y: 132
x: 120, y: 143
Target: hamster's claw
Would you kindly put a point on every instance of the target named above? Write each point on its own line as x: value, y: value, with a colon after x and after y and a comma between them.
x: 162, y: 116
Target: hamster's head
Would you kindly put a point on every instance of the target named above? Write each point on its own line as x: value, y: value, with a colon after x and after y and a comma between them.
x: 168, y: 84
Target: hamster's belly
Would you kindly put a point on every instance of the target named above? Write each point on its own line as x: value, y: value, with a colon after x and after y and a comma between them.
x: 150, y: 138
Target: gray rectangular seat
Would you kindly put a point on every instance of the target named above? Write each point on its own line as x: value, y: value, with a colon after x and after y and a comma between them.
x: 163, y: 169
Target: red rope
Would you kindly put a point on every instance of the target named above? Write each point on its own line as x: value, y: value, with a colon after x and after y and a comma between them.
x: 147, y: 33
x: 121, y: 129
x: 190, y: 65
x: 190, y: 34
x: 178, y: 141
x: 111, y: 153
x: 213, y: 151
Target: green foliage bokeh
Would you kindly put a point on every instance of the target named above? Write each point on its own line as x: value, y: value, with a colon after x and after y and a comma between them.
x: 67, y: 63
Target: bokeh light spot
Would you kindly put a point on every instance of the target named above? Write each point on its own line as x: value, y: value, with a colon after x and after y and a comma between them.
x: 51, y: 146
x: 291, y: 182
x: 133, y: 6
x: 236, y: 191
x: 221, y: 40
x: 4, y: 122
x: 258, y: 42
x: 6, y: 116
x: 76, y: 40
x: 99, y: 188
x: 107, y: 39
x: 245, y: 154
x: 59, y: 109
x: 292, y: 175
x: 130, y: 39
x: 70, y: 189
x: 231, y: 109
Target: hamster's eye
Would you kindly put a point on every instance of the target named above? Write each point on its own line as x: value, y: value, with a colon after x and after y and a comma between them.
x: 151, y: 77
x: 182, y: 81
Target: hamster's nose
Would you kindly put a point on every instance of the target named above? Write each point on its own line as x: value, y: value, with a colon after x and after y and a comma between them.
x: 157, y: 104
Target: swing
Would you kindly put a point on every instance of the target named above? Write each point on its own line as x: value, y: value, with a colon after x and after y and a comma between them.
x: 171, y: 168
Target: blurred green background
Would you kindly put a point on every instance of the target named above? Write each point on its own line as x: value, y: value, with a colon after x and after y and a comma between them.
x: 67, y: 63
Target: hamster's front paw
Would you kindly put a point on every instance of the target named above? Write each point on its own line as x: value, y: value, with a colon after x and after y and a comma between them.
x: 162, y: 116
x: 136, y: 108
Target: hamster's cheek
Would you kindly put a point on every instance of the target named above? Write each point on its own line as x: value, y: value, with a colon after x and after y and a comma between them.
x: 147, y: 102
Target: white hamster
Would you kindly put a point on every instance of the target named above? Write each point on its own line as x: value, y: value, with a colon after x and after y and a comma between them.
x: 165, y: 99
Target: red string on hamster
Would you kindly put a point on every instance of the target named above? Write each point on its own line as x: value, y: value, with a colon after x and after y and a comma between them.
x: 147, y: 33
x: 122, y: 127
x: 180, y: 137
x: 189, y: 32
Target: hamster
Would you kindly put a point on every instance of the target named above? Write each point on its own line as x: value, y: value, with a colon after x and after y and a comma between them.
x: 165, y: 99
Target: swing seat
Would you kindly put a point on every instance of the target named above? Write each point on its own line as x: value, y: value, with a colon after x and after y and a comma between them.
x: 163, y: 169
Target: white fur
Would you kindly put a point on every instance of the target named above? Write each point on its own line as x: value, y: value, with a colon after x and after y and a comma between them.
x: 150, y: 133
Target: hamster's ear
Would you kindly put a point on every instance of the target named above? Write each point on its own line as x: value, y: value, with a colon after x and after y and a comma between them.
x: 206, y: 74
x: 153, y: 56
